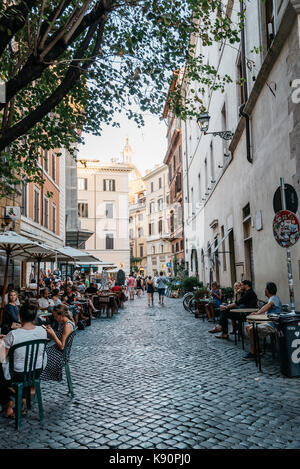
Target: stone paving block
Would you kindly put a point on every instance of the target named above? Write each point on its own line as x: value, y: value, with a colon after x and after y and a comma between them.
x: 141, y: 382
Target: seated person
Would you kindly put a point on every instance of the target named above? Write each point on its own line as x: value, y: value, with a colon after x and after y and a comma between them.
x: 54, y: 368
x: 92, y: 288
x: 217, y: 299
x: 11, y: 318
x: 81, y: 287
x: 56, y: 297
x: 267, y: 328
x: 45, y: 302
x: 10, y: 287
x: 27, y: 332
x: 247, y: 300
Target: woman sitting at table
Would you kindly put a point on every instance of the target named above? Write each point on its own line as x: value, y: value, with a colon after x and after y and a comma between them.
x: 247, y: 300
x: 53, y: 370
x: 11, y: 319
x: 56, y: 297
x: 273, y: 306
x: 28, y: 331
x: 216, y: 302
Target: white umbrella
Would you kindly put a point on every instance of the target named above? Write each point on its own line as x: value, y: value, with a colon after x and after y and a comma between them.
x: 16, y: 246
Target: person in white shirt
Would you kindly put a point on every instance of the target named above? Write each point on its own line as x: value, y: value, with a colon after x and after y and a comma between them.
x: 27, y: 332
x: 45, y: 302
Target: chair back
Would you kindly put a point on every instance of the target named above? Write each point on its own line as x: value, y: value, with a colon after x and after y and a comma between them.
x: 68, y: 345
x: 32, y: 348
x: 261, y: 303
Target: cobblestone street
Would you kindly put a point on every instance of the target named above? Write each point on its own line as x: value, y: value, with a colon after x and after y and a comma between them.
x: 154, y: 378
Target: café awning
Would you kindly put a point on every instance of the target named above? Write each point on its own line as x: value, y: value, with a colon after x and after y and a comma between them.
x: 77, y: 254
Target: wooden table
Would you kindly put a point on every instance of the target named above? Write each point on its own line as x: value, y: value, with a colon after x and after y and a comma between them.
x: 257, y: 319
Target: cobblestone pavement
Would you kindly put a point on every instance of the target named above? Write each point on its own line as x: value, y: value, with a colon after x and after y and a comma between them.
x: 154, y: 378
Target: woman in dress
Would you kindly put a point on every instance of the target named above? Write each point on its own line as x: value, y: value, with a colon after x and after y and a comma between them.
x: 53, y: 370
x: 11, y: 319
x: 150, y: 289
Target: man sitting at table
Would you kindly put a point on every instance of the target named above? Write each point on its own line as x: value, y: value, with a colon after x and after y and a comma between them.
x: 247, y: 300
x: 273, y: 306
x: 45, y: 302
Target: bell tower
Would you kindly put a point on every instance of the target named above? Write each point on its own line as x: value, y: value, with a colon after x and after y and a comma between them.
x: 127, y: 153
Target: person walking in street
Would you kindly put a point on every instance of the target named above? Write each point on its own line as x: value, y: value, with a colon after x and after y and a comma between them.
x: 161, y: 288
x: 138, y: 286
x: 130, y: 284
x: 150, y: 289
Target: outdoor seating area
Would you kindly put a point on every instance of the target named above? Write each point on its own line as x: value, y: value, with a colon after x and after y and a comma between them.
x: 40, y: 320
x: 255, y: 324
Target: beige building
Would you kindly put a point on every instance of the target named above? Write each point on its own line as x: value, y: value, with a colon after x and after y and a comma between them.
x: 138, y: 232
x: 103, y: 190
x: 157, y: 212
x: 229, y: 184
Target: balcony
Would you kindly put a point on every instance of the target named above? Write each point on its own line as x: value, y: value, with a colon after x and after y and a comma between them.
x: 158, y: 236
x: 138, y: 206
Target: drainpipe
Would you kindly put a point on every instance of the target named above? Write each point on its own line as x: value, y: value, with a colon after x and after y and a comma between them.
x: 245, y: 86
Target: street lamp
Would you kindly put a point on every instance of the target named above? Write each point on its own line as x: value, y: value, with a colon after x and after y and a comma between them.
x: 203, y: 122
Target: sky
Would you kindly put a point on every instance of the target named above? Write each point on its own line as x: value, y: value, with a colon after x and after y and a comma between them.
x: 149, y: 143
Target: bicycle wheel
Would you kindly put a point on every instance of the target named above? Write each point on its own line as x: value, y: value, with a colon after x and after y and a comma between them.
x: 192, y: 306
x: 187, y: 297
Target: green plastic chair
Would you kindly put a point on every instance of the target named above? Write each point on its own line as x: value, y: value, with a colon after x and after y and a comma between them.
x: 66, y: 359
x: 30, y: 379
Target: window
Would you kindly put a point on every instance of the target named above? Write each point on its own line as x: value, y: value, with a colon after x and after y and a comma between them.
x: 109, y: 185
x: 152, y: 186
x: 153, y: 249
x: 141, y: 250
x: 83, y: 210
x: 172, y: 222
x: 246, y: 211
x: 140, y: 232
x: 223, y: 249
x: 177, y: 247
x: 24, y: 199
x: 131, y: 233
x: 130, y: 219
x: 151, y: 229
x: 161, y: 248
x: 168, y: 200
x: 173, y: 248
x: 45, y: 160
x: 160, y: 204
x: 54, y: 218
x: 170, y: 172
x: 212, y: 163
x: 270, y: 21
x: 199, y: 188
x: 53, y: 158
x: 109, y: 241
x: 174, y: 163
x: 109, y: 210
x: 140, y: 217
x: 180, y: 154
x: 36, y: 215
x: 151, y: 207
x: 160, y: 226
x: 181, y: 245
x: 160, y: 183
x: 46, y: 212
x: 82, y: 184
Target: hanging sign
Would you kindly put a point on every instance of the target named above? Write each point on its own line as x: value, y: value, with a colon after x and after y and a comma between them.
x: 286, y: 228
x: 13, y: 212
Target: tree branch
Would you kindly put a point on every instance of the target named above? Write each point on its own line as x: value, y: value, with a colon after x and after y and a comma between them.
x: 73, y: 74
x: 13, y: 20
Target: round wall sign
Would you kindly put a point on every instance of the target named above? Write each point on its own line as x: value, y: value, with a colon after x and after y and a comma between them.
x: 286, y: 228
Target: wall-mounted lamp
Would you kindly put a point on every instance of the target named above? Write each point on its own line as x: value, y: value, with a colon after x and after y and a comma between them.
x: 220, y: 166
x: 203, y: 123
x: 212, y: 182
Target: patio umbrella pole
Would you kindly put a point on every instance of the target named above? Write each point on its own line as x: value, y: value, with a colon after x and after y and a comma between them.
x: 4, y: 285
x: 38, y: 279
x: 67, y: 265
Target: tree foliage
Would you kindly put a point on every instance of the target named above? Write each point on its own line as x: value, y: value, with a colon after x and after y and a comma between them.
x: 71, y: 66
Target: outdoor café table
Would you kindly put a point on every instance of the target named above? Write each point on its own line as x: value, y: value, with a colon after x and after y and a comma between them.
x: 240, y: 314
x: 257, y: 319
x: 204, y: 302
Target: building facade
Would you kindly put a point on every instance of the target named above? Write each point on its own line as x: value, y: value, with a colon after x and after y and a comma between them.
x: 103, y: 209
x: 158, y: 220
x: 229, y: 184
x: 173, y: 160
